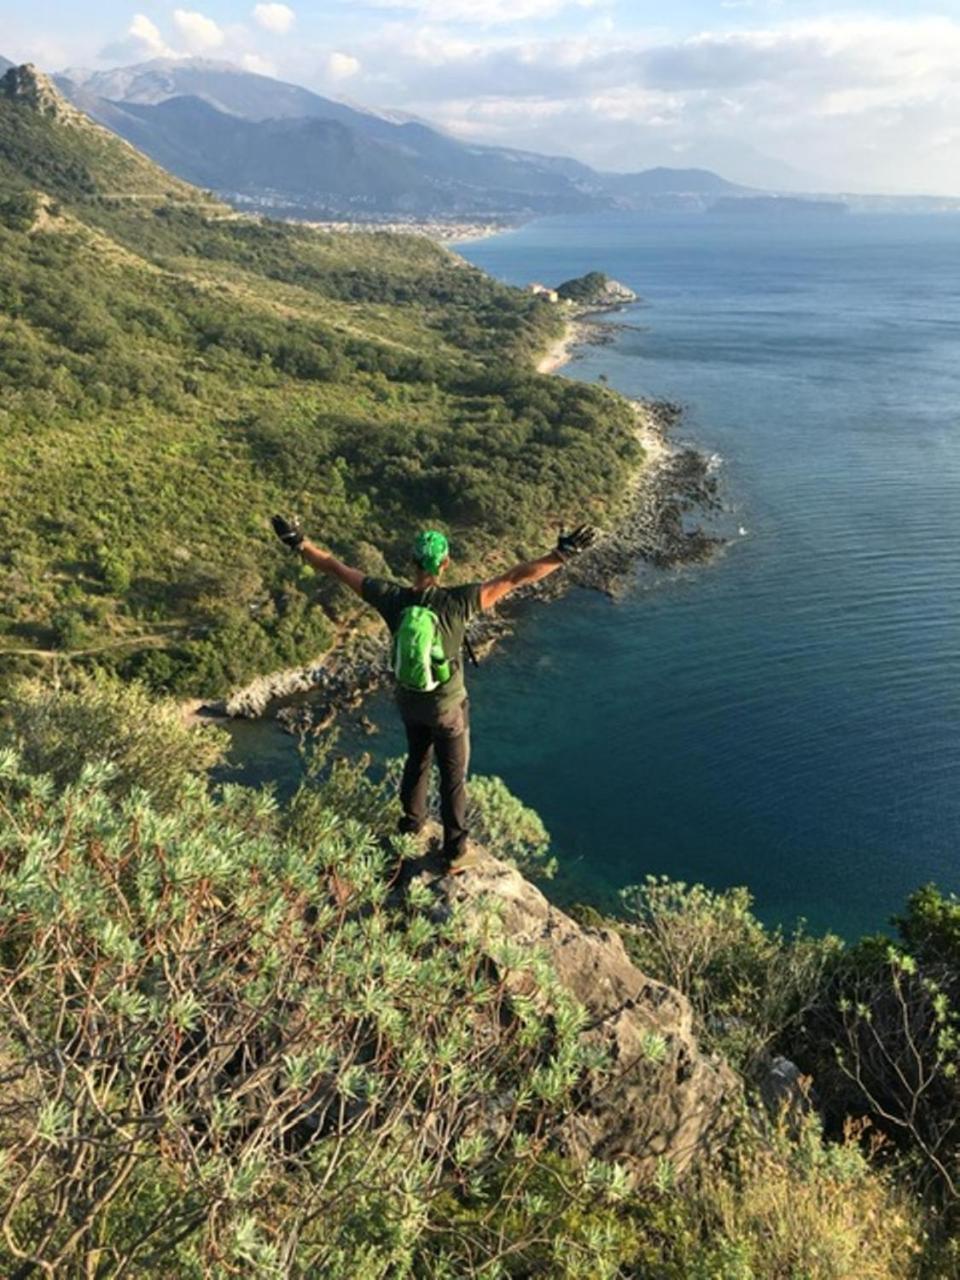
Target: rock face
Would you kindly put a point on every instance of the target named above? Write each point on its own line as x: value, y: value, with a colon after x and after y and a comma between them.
x: 343, y: 682
x: 251, y: 702
x: 661, y: 1098
x: 32, y: 88
x: 617, y: 294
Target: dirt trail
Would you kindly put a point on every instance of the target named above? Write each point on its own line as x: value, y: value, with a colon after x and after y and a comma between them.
x: 149, y: 641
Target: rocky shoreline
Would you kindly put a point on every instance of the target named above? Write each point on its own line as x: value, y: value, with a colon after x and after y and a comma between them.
x: 676, y: 482
x: 583, y: 330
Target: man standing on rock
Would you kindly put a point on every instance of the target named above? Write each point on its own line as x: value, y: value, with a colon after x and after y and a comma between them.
x: 428, y: 624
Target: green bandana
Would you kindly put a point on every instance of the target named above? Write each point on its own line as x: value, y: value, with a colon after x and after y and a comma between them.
x: 430, y: 550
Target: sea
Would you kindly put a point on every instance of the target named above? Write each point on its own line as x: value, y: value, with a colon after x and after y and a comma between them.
x: 786, y: 717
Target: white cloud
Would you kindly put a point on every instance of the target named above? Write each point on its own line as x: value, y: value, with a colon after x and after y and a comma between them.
x: 145, y: 31
x: 485, y: 13
x: 199, y: 32
x: 341, y: 66
x: 278, y: 18
x: 259, y: 65
x: 869, y: 103
x: 143, y: 40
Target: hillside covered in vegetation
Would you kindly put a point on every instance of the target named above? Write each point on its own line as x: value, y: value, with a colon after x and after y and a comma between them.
x: 170, y: 374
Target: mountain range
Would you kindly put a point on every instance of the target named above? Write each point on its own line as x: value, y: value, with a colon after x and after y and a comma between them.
x: 268, y: 146
x: 264, y: 143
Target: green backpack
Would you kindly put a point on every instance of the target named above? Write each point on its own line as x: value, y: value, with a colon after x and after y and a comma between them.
x: 419, y: 662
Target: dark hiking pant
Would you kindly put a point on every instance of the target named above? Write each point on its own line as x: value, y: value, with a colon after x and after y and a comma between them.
x: 448, y: 737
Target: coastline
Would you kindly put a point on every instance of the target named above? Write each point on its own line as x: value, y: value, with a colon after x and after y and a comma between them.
x: 563, y: 350
x: 446, y: 233
x: 673, y: 481
x: 581, y: 330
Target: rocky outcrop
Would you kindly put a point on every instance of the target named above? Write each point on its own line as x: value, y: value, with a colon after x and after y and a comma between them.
x: 252, y: 700
x: 616, y: 295
x: 659, y: 1097
x: 29, y: 87
x: 595, y: 292
x: 342, y: 680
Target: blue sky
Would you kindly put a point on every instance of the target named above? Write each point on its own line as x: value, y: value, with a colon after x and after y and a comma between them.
x: 793, y: 93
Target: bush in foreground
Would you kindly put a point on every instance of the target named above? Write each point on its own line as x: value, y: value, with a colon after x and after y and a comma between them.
x: 223, y: 1048
x: 750, y: 986
x: 885, y: 1040
x: 226, y: 1051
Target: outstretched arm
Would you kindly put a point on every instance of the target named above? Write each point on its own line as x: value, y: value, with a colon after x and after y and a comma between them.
x: 522, y: 575
x: 330, y: 565
x: 291, y: 536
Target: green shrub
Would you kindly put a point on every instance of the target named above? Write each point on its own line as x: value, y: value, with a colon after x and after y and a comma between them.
x: 930, y: 929
x: 224, y: 1050
x: 507, y: 828
x: 69, y: 630
x: 884, y: 1041
x: 19, y: 209
x: 749, y: 985
x: 227, y: 1049
x: 776, y: 1206
x: 116, y: 570
x: 147, y: 744
x: 795, y: 1206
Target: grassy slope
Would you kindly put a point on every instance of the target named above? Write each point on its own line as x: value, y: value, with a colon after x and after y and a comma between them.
x: 169, y: 374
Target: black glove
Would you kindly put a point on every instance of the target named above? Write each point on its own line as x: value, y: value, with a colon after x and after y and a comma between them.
x: 291, y: 535
x: 571, y: 544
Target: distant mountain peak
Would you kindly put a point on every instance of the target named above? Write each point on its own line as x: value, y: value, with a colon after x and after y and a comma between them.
x: 194, y: 63
x: 80, y: 75
x: 209, y: 66
x: 676, y: 172
x: 29, y: 87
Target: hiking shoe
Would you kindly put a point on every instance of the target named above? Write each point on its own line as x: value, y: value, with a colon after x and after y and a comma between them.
x: 468, y: 859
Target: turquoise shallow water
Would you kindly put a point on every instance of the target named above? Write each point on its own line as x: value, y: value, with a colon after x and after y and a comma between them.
x: 788, y: 717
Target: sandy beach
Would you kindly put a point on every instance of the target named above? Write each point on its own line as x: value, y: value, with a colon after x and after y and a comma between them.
x: 563, y: 350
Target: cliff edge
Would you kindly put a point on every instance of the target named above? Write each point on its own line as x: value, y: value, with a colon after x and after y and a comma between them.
x: 658, y: 1097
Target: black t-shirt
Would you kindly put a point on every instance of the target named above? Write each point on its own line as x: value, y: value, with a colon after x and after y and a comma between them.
x: 454, y: 607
